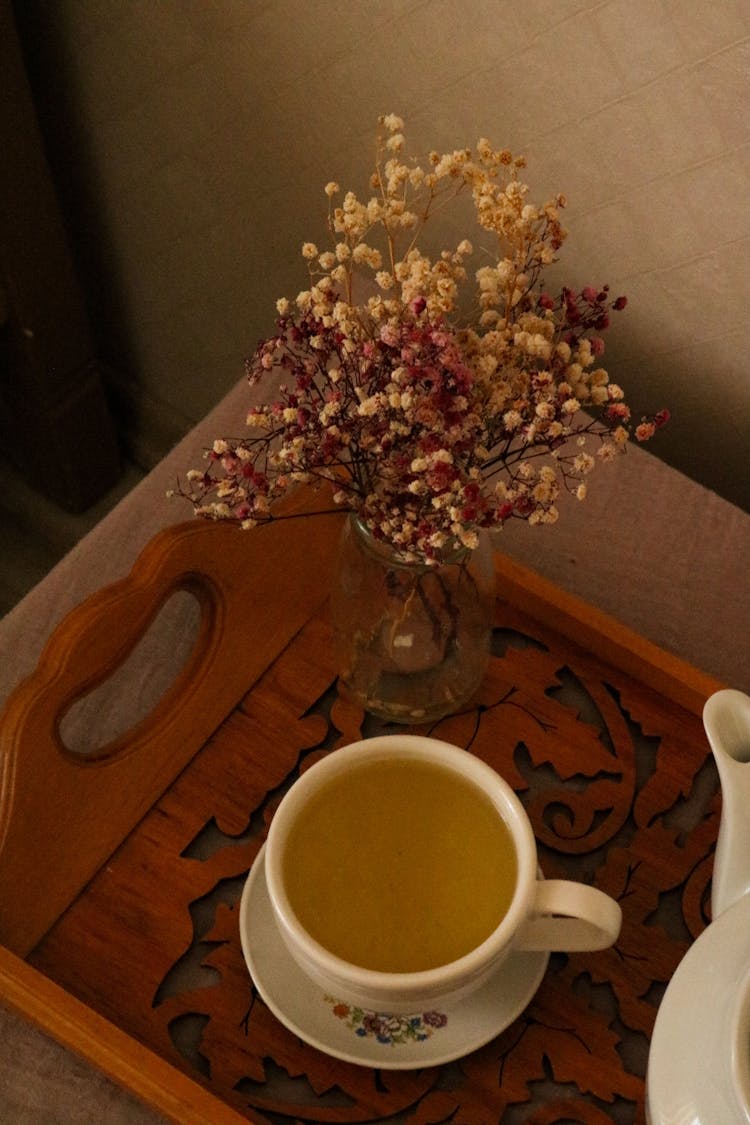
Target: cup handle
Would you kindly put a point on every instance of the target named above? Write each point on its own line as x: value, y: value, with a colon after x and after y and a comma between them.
x: 569, y: 917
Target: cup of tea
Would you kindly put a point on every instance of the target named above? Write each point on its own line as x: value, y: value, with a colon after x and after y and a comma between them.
x: 402, y: 870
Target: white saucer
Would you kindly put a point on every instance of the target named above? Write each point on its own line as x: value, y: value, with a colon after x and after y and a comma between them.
x: 405, y: 1043
x: 689, y: 1067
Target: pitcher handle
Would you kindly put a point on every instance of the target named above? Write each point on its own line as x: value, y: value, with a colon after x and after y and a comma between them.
x: 726, y: 719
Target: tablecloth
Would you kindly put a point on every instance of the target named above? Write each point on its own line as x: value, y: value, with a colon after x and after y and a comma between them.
x: 649, y: 546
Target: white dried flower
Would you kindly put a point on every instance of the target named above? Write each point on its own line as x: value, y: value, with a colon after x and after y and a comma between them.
x: 443, y: 423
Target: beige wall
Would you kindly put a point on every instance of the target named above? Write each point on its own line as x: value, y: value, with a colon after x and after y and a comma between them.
x: 193, y: 138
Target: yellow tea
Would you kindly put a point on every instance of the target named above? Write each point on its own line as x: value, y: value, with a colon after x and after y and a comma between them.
x: 399, y: 865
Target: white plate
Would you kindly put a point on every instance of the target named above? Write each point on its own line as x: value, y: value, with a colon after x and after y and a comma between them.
x: 689, y: 1078
x: 404, y: 1043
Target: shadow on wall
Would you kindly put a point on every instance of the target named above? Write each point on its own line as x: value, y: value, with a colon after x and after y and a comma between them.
x: 191, y: 143
x: 706, y: 387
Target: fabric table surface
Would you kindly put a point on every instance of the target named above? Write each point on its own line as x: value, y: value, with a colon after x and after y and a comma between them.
x: 649, y: 546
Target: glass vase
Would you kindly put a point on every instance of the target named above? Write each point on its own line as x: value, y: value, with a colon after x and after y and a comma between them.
x: 411, y: 641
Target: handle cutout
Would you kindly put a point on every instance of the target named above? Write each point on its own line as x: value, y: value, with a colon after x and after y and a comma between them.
x: 132, y: 692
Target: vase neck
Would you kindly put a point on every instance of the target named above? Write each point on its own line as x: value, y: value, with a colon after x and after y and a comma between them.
x: 388, y: 553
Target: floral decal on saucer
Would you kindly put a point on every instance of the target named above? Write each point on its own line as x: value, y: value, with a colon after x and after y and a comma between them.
x: 390, y: 1030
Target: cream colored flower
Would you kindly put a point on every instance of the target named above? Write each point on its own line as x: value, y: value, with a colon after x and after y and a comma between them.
x: 369, y: 406
x: 583, y: 463
x: 381, y: 333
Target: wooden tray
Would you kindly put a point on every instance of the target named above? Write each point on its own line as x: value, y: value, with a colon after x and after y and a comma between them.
x: 120, y: 871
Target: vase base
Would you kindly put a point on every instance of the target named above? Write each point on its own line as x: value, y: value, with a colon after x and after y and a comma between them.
x: 413, y: 708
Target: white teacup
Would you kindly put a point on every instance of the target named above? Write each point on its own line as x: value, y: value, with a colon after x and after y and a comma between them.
x: 334, y: 810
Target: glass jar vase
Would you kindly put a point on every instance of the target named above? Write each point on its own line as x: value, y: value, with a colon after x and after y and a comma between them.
x: 411, y: 640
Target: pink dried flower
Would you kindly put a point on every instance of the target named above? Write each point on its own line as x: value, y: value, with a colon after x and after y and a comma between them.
x: 428, y: 427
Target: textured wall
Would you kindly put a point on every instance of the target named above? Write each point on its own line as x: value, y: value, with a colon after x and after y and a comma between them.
x: 192, y: 139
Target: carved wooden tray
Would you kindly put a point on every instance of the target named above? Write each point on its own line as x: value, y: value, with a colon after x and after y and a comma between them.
x: 597, y: 730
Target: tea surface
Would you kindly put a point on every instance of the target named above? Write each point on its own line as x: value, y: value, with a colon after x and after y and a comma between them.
x: 400, y: 865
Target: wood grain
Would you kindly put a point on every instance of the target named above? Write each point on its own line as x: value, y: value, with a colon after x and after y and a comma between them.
x: 598, y: 732
x: 63, y: 815
x: 116, y: 1054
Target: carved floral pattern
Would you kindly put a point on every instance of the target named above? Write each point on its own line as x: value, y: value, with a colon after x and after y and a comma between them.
x: 621, y: 792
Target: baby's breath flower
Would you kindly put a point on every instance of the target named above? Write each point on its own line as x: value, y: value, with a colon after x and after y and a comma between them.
x: 428, y: 426
x: 583, y: 463
x: 369, y: 406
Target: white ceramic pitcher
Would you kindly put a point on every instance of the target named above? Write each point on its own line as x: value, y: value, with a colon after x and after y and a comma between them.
x: 699, y: 1062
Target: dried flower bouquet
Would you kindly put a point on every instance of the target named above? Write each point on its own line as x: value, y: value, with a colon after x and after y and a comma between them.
x: 437, y: 401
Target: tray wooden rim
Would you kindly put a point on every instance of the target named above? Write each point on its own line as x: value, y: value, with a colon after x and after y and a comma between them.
x: 169, y: 1091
